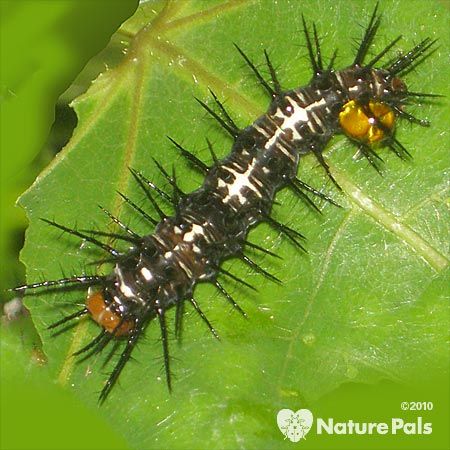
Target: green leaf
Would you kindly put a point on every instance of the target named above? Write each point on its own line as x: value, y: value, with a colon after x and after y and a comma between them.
x: 361, y: 306
x: 27, y: 388
x: 37, y: 65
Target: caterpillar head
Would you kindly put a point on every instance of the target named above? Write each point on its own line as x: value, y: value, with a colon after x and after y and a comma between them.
x: 367, y: 123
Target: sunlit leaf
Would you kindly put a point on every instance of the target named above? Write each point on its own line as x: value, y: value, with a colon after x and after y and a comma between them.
x: 361, y: 306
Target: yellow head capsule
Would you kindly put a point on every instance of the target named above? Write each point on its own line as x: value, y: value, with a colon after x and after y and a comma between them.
x: 369, y: 124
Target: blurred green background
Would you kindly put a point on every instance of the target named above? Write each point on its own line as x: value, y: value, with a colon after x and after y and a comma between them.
x: 44, y: 46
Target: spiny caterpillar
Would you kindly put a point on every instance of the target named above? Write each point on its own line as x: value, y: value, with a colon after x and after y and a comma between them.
x: 160, y: 270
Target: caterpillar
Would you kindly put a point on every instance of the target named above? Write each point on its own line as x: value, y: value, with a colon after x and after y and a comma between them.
x: 160, y: 270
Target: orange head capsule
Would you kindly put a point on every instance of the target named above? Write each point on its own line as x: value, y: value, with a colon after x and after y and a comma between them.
x: 105, y: 316
x: 368, y: 124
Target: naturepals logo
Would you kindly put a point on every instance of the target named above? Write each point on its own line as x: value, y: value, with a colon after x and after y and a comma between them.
x: 395, y: 426
x: 296, y: 425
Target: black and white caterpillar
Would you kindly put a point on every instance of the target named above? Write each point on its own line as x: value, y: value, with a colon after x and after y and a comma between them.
x: 160, y: 270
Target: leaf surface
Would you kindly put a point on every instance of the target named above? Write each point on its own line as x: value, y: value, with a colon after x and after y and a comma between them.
x: 365, y: 304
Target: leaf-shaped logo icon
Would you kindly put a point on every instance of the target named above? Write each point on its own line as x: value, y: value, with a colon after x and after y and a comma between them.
x: 294, y: 425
